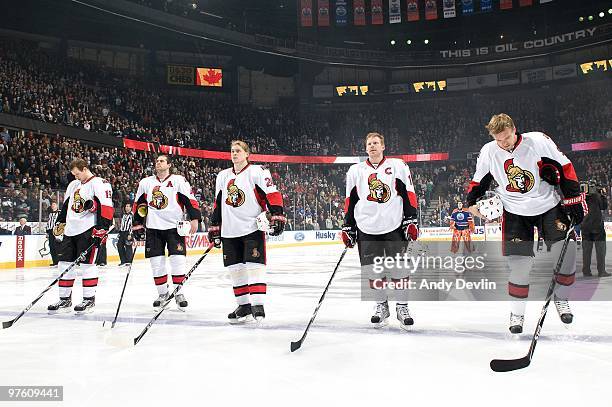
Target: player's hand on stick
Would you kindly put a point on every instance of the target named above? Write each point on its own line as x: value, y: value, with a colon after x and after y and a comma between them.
x: 138, y: 232
x: 58, y: 231
x: 277, y: 225
x: 349, y: 235
x: 214, y: 236
x: 576, y: 208
x: 410, y: 228
x: 99, y: 236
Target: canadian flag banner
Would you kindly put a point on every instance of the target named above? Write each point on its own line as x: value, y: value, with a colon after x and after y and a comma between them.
x: 431, y: 9
x: 323, y: 13
x: 412, y: 7
x: 209, y: 77
x: 306, y: 13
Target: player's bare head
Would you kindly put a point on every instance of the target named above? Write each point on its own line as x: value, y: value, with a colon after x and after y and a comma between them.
x: 460, y: 205
x: 501, y: 128
x: 80, y: 169
x: 163, y: 163
x: 240, y: 151
x: 375, y: 144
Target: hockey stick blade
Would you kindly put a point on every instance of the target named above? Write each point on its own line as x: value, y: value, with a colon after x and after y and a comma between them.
x: 296, y: 345
x: 8, y: 324
x: 508, y: 365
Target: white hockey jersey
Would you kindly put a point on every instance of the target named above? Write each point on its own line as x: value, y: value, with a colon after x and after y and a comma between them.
x: 239, y: 198
x: 79, y: 220
x: 377, y: 199
x: 517, y: 173
x: 166, y: 199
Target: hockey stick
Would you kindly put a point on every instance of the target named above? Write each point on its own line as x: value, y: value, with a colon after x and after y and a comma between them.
x: 137, y: 339
x: 296, y: 345
x: 507, y: 365
x: 123, y: 291
x: 75, y: 263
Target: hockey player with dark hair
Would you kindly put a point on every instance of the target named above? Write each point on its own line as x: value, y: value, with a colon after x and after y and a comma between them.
x: 462, y: 225
x: 527, y: 167
x: 85, y: 218
x: 158, y: 209
x: 380, y: 216
x: 242, y: 194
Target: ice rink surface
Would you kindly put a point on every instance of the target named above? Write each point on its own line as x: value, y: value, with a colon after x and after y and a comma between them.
x: 197, y: 358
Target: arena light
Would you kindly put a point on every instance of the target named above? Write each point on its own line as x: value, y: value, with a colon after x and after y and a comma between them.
x: 602, y: 14
x: 501, y: 37
x: 408, y: 42
x: 610, y: 11
x: 426, y: 42
x: 392, y: 42
x: 581, y: 19
x: 590, y: 18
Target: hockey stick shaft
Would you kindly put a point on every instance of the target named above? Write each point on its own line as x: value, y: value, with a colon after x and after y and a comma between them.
x: 296, y: 345
x: 75, y: 263
x: 176, y: 289
x: 125, y: 284
x: 506, y: 365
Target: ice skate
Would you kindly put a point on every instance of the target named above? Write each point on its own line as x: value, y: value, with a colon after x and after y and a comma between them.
x: 516, y: 323
x: 403, y: 315
x: 563, y: 308
x: 86, y: 306
x: 160, y: 301
x: 381, y: 313
x: 240, y: 315
x: 181, y: 302
x: 62, y: 306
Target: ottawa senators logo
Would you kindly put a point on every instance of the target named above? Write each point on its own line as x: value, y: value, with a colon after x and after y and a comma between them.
x: 158, y: 199
x: 379, y: 192
x: 235, y: 196
x: 78, y: 203
x: 519, y: 180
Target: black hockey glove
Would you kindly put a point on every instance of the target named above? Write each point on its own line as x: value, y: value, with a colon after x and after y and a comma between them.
x: 138, y: 232
x: 277, y: 225
x: 550, y: 174
x: 576, y: 208
x: 349, y: 235
x: 410, y: 228
x: 214, y: 236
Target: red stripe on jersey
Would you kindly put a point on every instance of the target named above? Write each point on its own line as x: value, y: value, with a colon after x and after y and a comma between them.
x: 275, y: 198
x: 160, y: 280
x: 107, y: 212
x: 90, y: 282
x: 261, y: 198
x: 194, y: 203
x: 259, y: 288
x: 569, y: 173
x: 472, y: 184
x: 518, y: 291
x: 178, y: 279
x: 347, y: 202
x: 565, y: 280
x: 412, y: 198
x: 241, y: 290
x: 66, y: 283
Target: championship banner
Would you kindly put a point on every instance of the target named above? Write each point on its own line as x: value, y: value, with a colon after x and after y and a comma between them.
x: 209, y: 77
x: 377, y: 12
x: 449, y: 8
x: 306, y: 13
x: 359, y: 12
x: 323, y: 13
x: 486, y: 5
x: 431, y: 10
x: 20, y: 251
x: 180, y: 75
x: 395, y: 12
x: 412, y: 7
x: 505, y: 4
x: 467, y: 6
x: 525, y: 3
x: 341, y: 13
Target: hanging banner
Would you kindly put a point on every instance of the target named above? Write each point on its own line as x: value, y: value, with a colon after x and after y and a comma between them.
x: 508, y: 78
x: 449, y: 9
x: 486, y: 5
x: 505, y: 4
x: 564, y: 71
x: 341, y: 13
x: 525, y: 3
x: 323, y: 13
x: 395, y: 12
x: 545, y: 1
x: 359, y: 12
x: 431, y: 10
x: 377, y: 12
x: 412, y: 7
x: 306, y: 13
x: 467, y: 6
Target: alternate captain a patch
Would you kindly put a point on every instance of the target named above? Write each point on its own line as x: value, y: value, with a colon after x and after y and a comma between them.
x: 519, y: 180
x: 235, y: 196
x: 379, y: 191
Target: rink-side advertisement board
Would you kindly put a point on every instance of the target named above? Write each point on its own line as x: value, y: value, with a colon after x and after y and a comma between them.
x: 33, y: 250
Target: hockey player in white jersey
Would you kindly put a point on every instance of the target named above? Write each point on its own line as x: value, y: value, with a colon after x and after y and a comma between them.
x: 527, y: 167
x: 158, y: 209
x: 241, y: 194
x: 85, y: 218
x: 380, y: 216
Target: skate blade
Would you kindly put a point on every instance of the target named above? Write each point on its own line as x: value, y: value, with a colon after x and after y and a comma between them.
x: 241, y: 321
x: 260, y: 321
x: 406, y: 327
x: 60, y: 311
x: 381, y: 324
x: 87, y: 311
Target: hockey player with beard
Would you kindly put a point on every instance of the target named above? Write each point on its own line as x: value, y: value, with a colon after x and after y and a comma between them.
x: 380, y: 216
x: 85, y: 218
x: 158, y: 215
x: 527, y: 167
x: 242, y: 193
